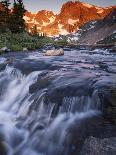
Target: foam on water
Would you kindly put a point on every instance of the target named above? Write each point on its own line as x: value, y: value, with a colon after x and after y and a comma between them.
x: 27, y: 123
x: 16, y: 101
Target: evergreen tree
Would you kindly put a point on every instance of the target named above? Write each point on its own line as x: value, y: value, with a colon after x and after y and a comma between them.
x: 4, y: 15
x: 16, y: 22
x: 34, y: 30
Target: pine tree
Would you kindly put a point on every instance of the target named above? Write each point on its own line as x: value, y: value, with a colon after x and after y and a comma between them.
x: 16, y: 22
x: 34, y: 30
x: 4, y: 15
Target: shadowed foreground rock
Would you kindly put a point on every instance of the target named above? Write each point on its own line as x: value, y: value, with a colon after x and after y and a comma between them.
x: 96, y: 146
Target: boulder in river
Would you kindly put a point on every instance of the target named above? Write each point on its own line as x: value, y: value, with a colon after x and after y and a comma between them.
x: 4, y: 49
x: 97, y: 146
x: 54, y: 52
x: 9, y: 60
x: 25, y: 49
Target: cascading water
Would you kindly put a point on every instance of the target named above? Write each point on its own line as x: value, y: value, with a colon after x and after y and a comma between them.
x: 35, y: 132
x: 14, y: 99
x: 55, y: 118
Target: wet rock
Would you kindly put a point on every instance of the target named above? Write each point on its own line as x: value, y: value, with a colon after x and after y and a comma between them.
x: 113, y: 49
x: 108, y: 101
x: 96, y: 146
x: 86, y: 127
x: 42, y: 82
x: 9, y: 60
x: 59, y: 52
x: 4, y: 49
x: 103, y: 65
x: 111, y: 109
x: 106, y: 87
x: 2, y: 66
x: 39, y: 85
x: 3, y: 148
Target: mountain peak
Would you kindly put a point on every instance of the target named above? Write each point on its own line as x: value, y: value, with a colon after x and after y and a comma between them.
x: 72, y: 16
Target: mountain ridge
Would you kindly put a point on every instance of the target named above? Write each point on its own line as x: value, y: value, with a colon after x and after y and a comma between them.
x: 71, y: 17
x: 96, y: 31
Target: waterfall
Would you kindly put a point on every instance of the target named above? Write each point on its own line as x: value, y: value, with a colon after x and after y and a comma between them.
x: 27, y: 130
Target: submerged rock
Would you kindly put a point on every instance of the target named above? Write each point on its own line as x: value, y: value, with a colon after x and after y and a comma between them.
x: 97, y: 146
x: 9, y: 60
x: 54, y: 52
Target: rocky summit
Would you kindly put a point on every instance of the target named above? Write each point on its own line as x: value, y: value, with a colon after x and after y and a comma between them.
x: 96, y: 31
x: 72, y: 16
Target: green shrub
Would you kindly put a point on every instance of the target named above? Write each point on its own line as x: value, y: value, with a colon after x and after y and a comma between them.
x: 60, y: 43
x: 18, y: 41
x: 2, y: 44
x: 16, y: 47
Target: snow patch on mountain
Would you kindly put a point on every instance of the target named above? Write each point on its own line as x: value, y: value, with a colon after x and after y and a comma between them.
x: 52, y: 19
x: 45, y: 23
x: 72, y: 16
x: 100, y: 11
x: 61, y: 30
x: 72, y: 21
x: 35, y: 22
x: 26, y: 18
x: 87, y: 5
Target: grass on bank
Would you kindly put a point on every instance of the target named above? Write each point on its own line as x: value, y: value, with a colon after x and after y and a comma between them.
x: 16, y: 42
x: 60, y: 43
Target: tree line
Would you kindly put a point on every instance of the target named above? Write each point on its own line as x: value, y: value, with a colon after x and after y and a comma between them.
x: 12, y: 19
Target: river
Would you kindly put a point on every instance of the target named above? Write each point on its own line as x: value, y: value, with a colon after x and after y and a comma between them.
x: 50, y: 105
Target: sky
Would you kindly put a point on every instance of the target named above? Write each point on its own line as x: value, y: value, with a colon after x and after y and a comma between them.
x: 55, y: 5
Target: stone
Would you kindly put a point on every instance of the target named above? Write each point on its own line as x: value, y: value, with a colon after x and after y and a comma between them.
x: 25, y: 49
x: 9, y: 60
x: 97, y: 146
x: 4, y: 49
x: 113, y: 49
x: 3, y: 148
x: 54, y: 52
x: 108, y: 100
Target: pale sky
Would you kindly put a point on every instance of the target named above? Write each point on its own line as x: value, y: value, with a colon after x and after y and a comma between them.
x: 55, y: 5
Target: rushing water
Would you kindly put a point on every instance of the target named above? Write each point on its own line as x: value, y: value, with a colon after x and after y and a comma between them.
x: 45, y: 102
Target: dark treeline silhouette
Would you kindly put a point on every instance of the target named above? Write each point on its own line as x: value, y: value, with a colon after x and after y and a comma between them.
x: 12, y: 19
x: 35, y: 32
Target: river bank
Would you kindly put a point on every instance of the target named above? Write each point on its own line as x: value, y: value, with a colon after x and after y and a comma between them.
x: 24, y: 41
x: 27, y: 42
x: 20, y: 41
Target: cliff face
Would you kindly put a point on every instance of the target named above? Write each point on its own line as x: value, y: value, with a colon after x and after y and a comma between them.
x: 42, y: 19
x: 71, y: 17
x: 96, y: 31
